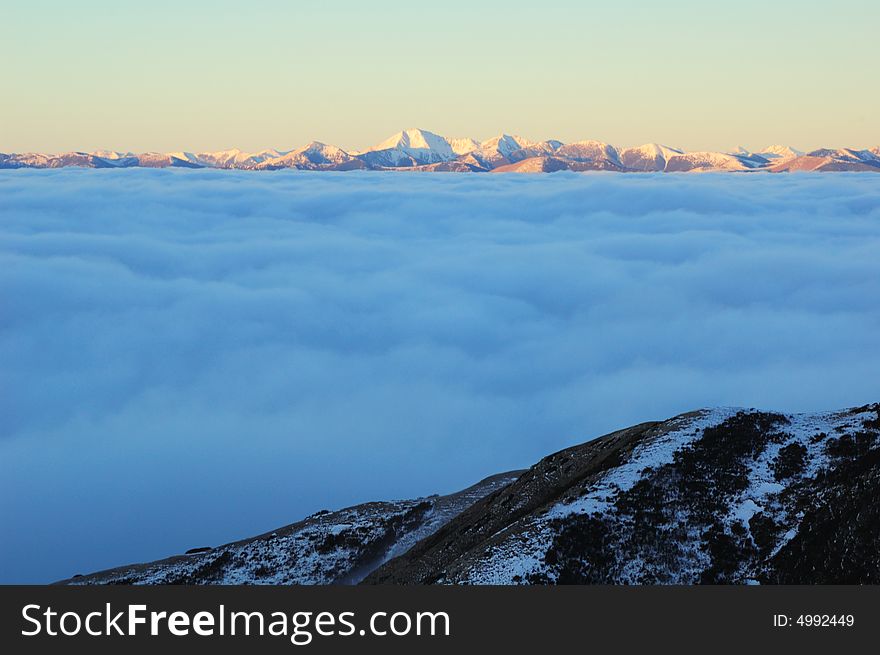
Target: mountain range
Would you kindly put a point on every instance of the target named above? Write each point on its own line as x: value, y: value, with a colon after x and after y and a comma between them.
x: 421, y: 150
x: 713, y: 496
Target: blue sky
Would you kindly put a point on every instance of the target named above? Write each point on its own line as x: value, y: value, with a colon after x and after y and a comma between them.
x: 211, y: 75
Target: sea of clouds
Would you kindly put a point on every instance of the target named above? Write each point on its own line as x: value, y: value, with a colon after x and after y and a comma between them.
x: 190, y: 357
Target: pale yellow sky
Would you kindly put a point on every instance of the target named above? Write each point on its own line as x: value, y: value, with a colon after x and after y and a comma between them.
x: 267, y: 73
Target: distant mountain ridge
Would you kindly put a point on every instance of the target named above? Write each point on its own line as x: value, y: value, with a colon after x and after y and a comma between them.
x: 421, y: 150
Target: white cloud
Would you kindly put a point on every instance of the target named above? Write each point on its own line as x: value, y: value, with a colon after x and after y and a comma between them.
x: 195, y: 356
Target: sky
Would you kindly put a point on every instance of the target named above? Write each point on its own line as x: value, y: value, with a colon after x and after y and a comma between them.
x: 195, y: 356
x: 170, y: 75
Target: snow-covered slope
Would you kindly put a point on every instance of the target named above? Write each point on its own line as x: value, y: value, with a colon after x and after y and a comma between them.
x: 591, y: 151
x: 714, y: 496
x: 463, y: 146
x: 503, y: 145
x: 847, y: 154
x: 325, y: 548
x: 720, y: 495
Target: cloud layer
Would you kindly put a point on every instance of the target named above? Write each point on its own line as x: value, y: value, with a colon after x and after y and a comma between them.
x: 195, y: 356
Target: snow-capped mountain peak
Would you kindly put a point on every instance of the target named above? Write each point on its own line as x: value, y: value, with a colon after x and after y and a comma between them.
x: 415, y: 139
x: 412, y: 145
x: 505, y: 144
x: 318, y: 147
x: 778, y: 153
